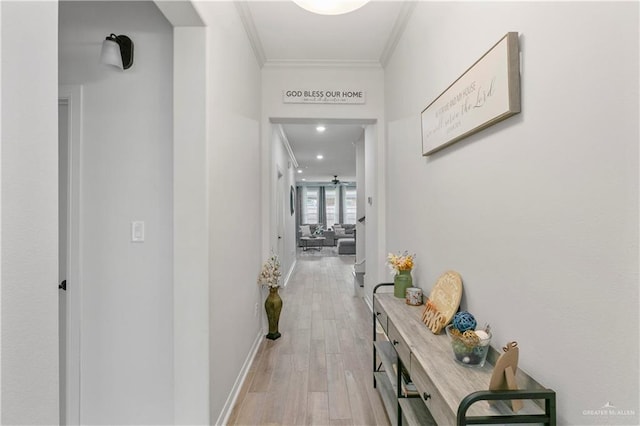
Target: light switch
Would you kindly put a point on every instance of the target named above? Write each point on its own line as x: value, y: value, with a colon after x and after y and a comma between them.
x: 137, y: 231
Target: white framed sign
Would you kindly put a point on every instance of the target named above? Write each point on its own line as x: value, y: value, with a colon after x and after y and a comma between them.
x: 331, y: 96
x: 488, y: 92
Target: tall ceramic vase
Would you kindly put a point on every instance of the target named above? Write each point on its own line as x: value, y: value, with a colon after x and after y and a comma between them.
x: 273, y: 306
x: 401, y: 282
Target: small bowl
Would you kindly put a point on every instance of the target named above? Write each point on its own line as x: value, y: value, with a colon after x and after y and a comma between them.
x: 468, y: 353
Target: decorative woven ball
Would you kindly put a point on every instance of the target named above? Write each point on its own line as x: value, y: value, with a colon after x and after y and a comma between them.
x: 464, y: 321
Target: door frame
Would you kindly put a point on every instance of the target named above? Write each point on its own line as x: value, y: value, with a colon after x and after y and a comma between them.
x: 71, y: 95
x: 280, y: 212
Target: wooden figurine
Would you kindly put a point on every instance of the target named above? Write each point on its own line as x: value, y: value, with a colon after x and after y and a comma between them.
x: 504, y: 373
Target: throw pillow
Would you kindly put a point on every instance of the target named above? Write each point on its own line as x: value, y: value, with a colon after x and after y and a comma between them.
x: 340, y: 232
x: 305, y: 230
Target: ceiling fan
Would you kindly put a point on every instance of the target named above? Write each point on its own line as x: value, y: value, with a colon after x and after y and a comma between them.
x: 335, y: 180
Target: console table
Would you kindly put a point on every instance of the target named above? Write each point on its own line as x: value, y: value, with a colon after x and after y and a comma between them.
x: 440, y: 391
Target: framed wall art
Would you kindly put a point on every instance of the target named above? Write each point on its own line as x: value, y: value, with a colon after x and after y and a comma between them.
x: 486, y: 93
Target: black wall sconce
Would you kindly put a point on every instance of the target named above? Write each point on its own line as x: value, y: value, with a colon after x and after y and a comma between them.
x: 117, y: 50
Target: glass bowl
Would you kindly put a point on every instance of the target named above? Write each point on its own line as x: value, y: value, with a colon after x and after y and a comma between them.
x: 470, y: 352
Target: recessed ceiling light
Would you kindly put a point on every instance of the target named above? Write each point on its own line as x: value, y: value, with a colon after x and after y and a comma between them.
x: 303, y: 179
x: 319, y: 156
x: 320, y: 129
x: 299, y: 170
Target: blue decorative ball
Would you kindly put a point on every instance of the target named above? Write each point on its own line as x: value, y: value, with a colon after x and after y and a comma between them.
x: 464, y: 321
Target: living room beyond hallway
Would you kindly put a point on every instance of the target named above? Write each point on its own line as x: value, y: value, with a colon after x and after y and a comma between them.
x: 337, y: 240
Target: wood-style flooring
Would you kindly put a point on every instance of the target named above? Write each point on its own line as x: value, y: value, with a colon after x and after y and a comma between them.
x: 319, y: 371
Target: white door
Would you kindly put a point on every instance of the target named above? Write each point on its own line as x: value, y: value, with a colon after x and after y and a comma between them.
x: 69, y: 146
x: 63, y: 144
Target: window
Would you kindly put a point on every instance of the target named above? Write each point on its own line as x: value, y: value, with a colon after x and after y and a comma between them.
x: 350, y: 205
x: 310, y: 205
x: 339, y: 203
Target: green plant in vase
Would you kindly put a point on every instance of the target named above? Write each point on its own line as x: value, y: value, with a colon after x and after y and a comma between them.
x: 270, y: 278
x: 401, y: 264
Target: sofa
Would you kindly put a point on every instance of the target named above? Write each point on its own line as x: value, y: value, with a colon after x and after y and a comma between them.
x: 332, y: 235
x: 347, y: 246
x: 309, y: 229
x: 344, y: 230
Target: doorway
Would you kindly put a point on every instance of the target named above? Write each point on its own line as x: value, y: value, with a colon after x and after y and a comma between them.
x: 330, y: 179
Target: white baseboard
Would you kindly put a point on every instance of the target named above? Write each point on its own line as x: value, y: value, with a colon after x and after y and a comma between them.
x: 368, y: 302
x: 289, y: 273
x: 223, y: 418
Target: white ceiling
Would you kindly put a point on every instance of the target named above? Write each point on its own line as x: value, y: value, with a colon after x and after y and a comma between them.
x: 283, y: 33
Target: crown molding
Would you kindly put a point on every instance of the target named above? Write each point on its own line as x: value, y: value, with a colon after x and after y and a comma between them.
x: 287, y: 146
x: 250, y: 29
x: 322, y: 63
x: 396, y: 33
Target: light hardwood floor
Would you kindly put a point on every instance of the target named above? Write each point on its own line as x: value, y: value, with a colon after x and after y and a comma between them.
x: 319, y: 371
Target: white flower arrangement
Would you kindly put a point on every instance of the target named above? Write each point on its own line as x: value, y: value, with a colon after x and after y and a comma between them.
x: 270, y: 273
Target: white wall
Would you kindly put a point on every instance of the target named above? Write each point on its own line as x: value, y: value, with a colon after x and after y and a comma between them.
x: 233, y: 153
x: 538, y: 213
x: 191, y: 227
x: 29, y: 225
x: 282, y: 162
x: 191, y: 216
x: 276, y: 79
x: 127, y: 160
x: 375, y: 210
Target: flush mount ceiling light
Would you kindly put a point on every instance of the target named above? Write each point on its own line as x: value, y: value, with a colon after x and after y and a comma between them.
x: 331, y: 7
x: 117, y: 50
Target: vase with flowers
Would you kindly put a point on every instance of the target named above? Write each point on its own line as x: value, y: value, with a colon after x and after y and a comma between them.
x: 401, y: 264
x: 270, y: 278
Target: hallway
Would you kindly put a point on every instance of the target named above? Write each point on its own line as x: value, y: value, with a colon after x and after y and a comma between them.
x: 319, y: 371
